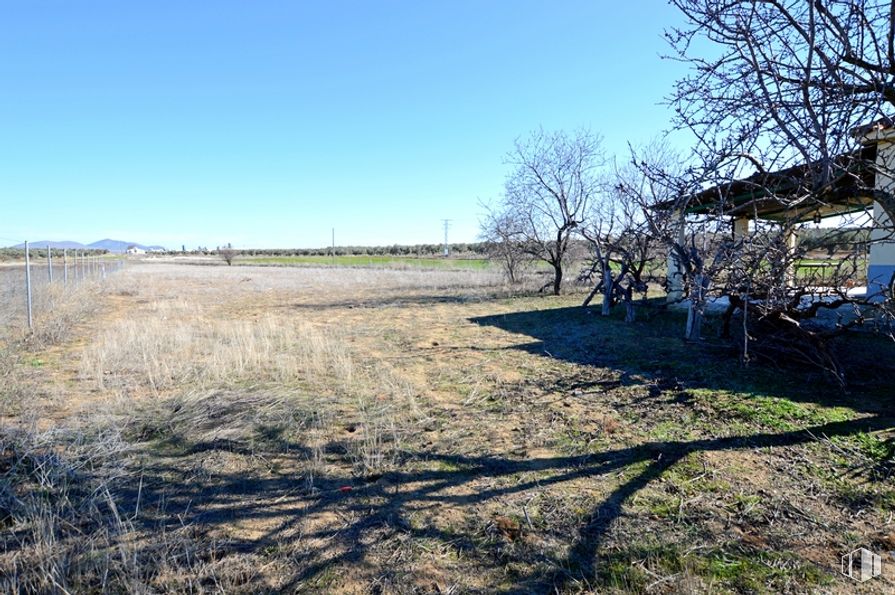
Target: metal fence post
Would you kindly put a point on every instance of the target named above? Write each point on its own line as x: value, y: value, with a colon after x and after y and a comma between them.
x: 64, y: 267
x: 28, y: 286
x: 50, y: 261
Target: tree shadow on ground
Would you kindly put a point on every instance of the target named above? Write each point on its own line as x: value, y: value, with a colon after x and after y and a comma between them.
x: 378, y: 507
x: 434, y: 296
x: 654, y: 351
x: 375, y: 508
x: 358, y: 511
x: 391, y: 301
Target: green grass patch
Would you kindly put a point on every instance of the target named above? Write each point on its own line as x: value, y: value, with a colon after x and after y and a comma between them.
x: 746, y: 571
x: 773, y: 412
x: 873, y: 447
x: 759, y: 572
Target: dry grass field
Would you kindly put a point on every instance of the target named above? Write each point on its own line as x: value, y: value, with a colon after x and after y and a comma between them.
x: 254, y: 429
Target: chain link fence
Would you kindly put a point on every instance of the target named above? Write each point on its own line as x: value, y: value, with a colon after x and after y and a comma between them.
x: 30, y: 283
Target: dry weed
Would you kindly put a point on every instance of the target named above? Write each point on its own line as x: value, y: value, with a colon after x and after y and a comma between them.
x: 60, y: 309
x: 181, y: 346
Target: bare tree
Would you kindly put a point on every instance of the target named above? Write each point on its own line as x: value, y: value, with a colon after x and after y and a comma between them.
x: 501, y: 232
x: 775, y: 287
x: 619, y: 249
x: 627, y: 246
x: 663, y: 188
x: 787, y: 82
x: 227, y: 254
x: 547, y: 195
x: 790, y: 90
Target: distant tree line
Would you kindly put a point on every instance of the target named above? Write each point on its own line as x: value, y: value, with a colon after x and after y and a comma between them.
x: 12, y: 254
x: 835, y: 241
x: 457, y: 250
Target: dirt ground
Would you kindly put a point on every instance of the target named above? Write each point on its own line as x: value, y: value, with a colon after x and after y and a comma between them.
x: 376, y: 431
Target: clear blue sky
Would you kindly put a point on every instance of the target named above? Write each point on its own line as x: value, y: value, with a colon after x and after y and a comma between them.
x: 267, y: 123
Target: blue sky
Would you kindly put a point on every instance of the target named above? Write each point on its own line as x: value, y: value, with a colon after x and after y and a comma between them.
x: 266, y: 124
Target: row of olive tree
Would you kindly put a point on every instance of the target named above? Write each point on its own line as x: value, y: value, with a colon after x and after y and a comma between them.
x: 457, y: 249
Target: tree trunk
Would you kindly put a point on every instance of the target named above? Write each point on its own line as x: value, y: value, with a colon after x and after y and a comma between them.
x: 629, y: 304
x: 557, y: 278
x: 591, y: 295
x: 695, y: 311
x: 728, y: 315
x: 608, y: 289
x: 509, y: 265
x: 694, y: 323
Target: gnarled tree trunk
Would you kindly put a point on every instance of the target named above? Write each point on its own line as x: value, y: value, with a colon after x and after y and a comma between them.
x: 557, y: 278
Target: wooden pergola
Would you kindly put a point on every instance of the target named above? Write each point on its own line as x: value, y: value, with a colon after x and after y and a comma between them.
x: 782, y: 197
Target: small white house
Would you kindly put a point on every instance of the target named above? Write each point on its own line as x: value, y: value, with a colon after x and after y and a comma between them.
x: 135, y: 250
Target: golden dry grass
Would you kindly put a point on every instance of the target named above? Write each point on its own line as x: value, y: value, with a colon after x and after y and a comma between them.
x: 247, y: 429
x: 179, y: 345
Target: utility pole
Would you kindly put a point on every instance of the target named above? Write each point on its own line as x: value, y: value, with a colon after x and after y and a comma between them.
x: 28, y: 286
x: 64, y: 267
x: 447, y: 224
x: 50, y: 261
x: 334, y: 246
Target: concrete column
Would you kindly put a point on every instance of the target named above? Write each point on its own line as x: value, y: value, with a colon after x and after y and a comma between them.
x: 792, y: 241
x: 881, y: 264
x: 675, y: 270
x: 740, y: 228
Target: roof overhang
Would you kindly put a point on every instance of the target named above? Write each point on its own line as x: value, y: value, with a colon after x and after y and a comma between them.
x: 789, y: 195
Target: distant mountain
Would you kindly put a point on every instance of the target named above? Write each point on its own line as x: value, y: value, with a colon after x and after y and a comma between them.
x: 115, y: 246
x: 119, y: 246
x: 112, y: 245
x: 54, y: 245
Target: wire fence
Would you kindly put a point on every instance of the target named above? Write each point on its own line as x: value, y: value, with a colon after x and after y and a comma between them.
x: 28, y: 285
